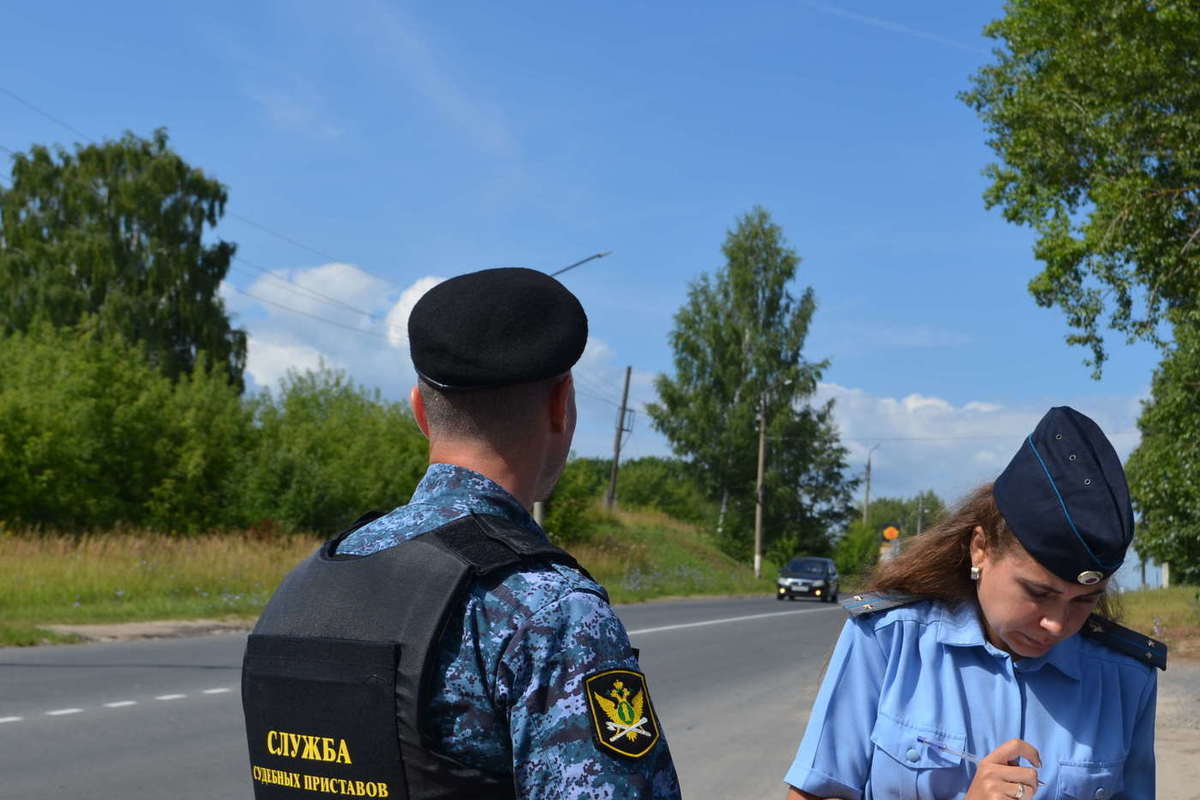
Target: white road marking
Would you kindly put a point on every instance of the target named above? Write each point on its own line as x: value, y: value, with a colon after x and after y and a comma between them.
x: 59, y: 712
x: 719, y: 621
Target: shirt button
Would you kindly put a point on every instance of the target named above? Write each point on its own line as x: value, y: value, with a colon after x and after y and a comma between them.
x: 912, y: 754
x: 1101, y: 793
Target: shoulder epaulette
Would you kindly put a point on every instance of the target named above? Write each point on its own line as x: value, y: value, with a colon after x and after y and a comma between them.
x: 870, y: 602
x: 1125, y: 640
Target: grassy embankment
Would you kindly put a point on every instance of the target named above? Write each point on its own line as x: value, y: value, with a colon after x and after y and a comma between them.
x: 140, y: 575
x: 135, y: 576
x: 1172, y: 615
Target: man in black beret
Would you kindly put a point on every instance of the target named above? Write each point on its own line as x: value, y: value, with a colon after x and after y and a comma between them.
x: 514, y: 677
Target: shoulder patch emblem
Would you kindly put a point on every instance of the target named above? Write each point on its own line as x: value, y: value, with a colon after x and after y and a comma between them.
x: 622, y: 716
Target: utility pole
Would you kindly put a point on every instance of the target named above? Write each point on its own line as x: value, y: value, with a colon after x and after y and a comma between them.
x: 758, y: 488
x: 867, y: 496
x: 611, y: 499
x: 920, y: 512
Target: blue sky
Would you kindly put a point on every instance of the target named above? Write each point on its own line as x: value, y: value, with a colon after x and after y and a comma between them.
x: 398, y: 143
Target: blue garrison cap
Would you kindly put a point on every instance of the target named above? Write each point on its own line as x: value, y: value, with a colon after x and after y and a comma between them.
x: 1065, y: 498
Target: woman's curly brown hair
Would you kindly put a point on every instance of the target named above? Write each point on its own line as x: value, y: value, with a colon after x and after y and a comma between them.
x: 936, y: 563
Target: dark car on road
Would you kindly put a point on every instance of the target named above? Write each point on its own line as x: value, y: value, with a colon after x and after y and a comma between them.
x: 808, y: 577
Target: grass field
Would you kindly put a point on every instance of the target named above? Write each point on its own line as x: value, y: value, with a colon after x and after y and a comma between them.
x: 141, y: 575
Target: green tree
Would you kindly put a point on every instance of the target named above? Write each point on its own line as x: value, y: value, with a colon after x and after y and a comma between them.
x: 325, y: 451
x: 1093, y: 107
x: 92, y: 435
x: 1164, y: 470
x: 116, y: 231
x: 738, y: 342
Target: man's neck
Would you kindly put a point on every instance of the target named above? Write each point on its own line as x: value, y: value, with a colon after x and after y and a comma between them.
x: 517, y: 478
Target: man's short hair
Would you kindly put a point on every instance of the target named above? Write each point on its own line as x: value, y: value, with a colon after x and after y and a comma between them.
x: 502, y: 416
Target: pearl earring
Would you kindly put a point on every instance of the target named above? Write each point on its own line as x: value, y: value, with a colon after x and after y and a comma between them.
x: 975, y: 573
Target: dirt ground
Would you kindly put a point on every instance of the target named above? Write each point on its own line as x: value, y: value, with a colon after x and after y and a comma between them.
x: 1177, y: 734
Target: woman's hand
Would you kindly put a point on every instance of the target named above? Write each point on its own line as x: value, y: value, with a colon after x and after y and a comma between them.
x: 998, y: 777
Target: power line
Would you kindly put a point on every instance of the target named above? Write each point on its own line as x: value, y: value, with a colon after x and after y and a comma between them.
x: 240, y: 217
x: 45, y: 114
x: 282, y: 236
x: 310, y: 316
x: 313, y: 294
x: 290, y: 240
x: 595, y: 387
x: 594, y: 396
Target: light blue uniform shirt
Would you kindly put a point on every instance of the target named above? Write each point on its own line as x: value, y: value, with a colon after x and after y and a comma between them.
x: 924, y: 670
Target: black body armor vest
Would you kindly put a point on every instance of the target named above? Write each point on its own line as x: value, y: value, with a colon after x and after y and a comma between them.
x: 336, y: 674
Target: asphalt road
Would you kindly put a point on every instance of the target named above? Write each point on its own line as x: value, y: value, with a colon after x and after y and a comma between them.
x: 732, y: 680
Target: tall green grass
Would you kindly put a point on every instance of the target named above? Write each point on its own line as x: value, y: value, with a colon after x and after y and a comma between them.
x: 137, y: 575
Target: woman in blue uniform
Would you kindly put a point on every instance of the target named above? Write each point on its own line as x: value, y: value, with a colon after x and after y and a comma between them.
x: 982, y: 662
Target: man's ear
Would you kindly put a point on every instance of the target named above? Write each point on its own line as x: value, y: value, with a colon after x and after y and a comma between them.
x: 560, y: 403
x: 417, y: 402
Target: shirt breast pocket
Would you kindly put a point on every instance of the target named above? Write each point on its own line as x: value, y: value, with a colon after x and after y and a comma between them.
x: 1084, y: 780
x: 905, y: 764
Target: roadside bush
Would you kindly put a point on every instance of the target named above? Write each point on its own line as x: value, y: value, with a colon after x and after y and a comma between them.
x: 324, y: 451
x: 92, y: 434
x: 858, y: 549
x: 572, y: 510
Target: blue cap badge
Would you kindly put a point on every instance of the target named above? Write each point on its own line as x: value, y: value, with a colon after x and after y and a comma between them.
x: 1065, y: 498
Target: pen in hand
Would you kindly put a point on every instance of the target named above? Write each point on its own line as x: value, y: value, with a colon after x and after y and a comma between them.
x: 963, y: 754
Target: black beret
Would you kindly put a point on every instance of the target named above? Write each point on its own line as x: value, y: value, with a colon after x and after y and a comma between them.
x: 1065, y: 497
x: 496, y: 327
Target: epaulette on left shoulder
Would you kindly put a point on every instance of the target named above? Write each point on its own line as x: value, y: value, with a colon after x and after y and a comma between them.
x: 870, y: 602
x: 1125, y: 640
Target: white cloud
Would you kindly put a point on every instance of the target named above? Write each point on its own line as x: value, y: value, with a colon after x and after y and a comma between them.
x: 339, y: 292
x: 361, y: 326
x: 923, y: 442
x: 268, y: 360
x: 397, y: 318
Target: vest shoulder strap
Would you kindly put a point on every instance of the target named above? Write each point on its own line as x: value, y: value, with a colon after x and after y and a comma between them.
x: 1126, y: 640
x: 488, y: 544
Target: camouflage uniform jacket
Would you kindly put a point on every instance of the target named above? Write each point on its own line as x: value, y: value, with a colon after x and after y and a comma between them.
x: 509, y: 694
